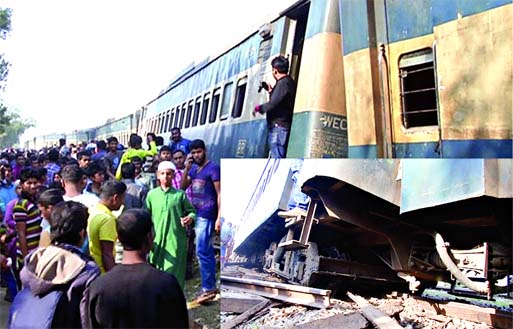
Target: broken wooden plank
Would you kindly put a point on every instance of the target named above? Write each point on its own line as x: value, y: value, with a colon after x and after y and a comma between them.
x: 490, y: 316
x: 378, y: 318
x: 246, y: 315
x: 346, y: 321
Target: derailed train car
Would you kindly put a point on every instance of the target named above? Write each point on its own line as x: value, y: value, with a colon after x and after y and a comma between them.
x: 386, y: 78
x: 414, y: 222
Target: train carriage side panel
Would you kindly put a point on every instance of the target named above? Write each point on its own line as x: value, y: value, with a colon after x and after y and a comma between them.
x: 467, y: 118
x: 466, y: 40
x: 361, y: 85
x: 319, y: 126
x: 475, y: 84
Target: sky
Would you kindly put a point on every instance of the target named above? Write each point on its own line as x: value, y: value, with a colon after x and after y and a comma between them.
x: 75, y: 64
x: 238, y: 185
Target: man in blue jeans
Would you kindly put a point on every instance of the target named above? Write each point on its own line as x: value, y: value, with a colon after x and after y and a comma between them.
x: 204, y: 176
x: 280, y: 107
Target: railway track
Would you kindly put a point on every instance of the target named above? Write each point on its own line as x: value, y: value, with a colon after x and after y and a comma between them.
x: 312, y: 297
x: 395, y: 310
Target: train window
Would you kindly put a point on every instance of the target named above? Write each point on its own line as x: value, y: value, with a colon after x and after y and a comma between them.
x: 227, y: 99
x: 171, y: 119
x: 195, y: 116
x: 215, y: 105
x: 177, y: 117
x: 240, y: 93
x: 204, y: 110
x: 182, y: 114
x: 189, y: 114
x: 166, y: 124
x: 418, y: 89
x: 161, y: 123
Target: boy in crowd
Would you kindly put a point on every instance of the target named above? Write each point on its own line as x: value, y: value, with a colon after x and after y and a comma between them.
x: 135, y: 294
x: 171, y: 212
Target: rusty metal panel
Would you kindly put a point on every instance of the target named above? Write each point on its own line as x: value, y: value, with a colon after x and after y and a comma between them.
x: 376, y: 176
x: 499, y: 178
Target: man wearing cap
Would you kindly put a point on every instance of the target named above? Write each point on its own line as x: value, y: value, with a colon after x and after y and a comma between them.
x: 171, y: 213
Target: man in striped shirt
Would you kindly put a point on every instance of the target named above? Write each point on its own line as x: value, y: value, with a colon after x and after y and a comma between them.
x: 179, y: 161
x: 27, y: 216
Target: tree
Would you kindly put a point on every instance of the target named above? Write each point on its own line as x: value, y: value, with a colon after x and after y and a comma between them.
x: 5, y: 28
x: 12, y: 126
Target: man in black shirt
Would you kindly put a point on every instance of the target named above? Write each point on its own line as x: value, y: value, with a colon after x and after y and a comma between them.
x: 134, y: 294
x: 280, y: 107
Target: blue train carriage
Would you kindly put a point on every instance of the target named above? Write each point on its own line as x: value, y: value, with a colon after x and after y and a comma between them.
x: 121, y: 128
x: 48, y: 140
x: 428, y: 78
x: 214, y: 100
x: 78, y: 136
x: 38, y: 142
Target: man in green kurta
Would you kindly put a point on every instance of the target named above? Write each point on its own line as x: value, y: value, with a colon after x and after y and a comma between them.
x: 171, y: 213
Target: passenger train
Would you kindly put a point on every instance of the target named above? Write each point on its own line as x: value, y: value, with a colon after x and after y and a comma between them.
x: 383, y: 78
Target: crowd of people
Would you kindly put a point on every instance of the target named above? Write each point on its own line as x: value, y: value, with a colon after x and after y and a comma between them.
x: 100, y: 236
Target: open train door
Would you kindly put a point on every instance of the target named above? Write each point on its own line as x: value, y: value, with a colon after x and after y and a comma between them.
x: 294, y: 35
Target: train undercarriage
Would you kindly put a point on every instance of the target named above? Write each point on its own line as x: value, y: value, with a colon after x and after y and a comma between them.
x: 350, y: 234
x: 328, y: 265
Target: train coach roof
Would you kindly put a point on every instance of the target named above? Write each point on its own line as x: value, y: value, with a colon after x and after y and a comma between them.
x: 413, y: 184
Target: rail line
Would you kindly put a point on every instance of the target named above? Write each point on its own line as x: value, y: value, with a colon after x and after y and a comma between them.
x: 490, y: 316
x: 313, y: 297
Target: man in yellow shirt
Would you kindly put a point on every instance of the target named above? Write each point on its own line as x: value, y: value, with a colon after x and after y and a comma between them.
x: 135, y: 150
x: 102, y: 224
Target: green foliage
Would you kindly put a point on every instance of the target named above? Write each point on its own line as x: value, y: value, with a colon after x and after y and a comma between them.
x: 12, y: 126
x: 5, y: 28
x: 5, y: 22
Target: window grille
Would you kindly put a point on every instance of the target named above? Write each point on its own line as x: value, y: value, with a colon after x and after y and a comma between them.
x: 418, y: 89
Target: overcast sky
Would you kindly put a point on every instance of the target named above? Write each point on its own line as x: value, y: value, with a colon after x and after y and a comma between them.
x: 74, y: 64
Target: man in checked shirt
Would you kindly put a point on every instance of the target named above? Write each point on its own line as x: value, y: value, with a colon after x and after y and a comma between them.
x: 178, y: 158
